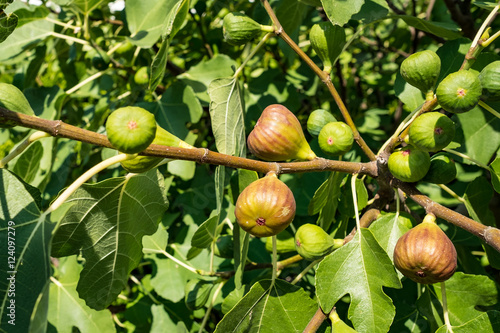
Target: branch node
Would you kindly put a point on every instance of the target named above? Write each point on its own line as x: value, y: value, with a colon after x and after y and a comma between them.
x: 57, y: 127
x: 203, y: 158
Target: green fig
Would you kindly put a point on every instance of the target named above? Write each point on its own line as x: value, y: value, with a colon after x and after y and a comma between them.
x: 421, y: 70
x: 327, y: 40
x: 317, y: 120
x: 409, y: 164
x: 278, y: 136
x: 335, y: 138
x: 144, y: 163
x: 265, y: 207
x: 284, y: 243
x: 460, y: 91
x: 141, y: 77
x: 425, y: 254
x: 239, y: 29
x: 338, y: 325
x: 490, y: 81
x: 13, y: 99
x: 431, y: 131
x: 312, y: 242
x: 131, y: 129
x: 442, y: 170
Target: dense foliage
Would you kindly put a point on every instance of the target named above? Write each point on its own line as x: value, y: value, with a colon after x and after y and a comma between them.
x: 93, y: 240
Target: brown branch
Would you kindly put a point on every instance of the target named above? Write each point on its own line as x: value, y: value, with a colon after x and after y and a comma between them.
x: 58, y: 128
x: 315, y: 322
x: 325, y: 78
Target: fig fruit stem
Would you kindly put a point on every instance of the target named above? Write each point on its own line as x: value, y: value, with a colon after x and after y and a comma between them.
x: 84, y: 82
x: 445, y: 308
x: 355, y: 199
x: 489, y: 109
x: 252, y: 53
x: 275, y: 260
x: 451, y: 151
x: 324, y: 76
x: 22, y: 147
x: 305, y: 270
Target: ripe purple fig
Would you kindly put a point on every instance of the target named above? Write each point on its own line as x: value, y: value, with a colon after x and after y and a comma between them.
x: 278, y: 136
x: 425, y: 254
x: 265, y: 207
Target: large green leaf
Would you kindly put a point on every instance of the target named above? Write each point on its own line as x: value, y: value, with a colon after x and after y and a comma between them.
x: 495, y: 174
x: 8, y: 23
x: 360, y: 268
x: 86, y: 6
x: 279, y: 308
x: 466, y: 295
x: 487, y: 322
x: 149, y: 19
x: 28, y: 163
x: 340, y: 11
x: 387, y: 229
x: 26, y: 15
x: 29, y: 35
x: 25, y: 236
x: 106, y: 223
x: 205, y: 234
x: 481, y: 134
x: 326, y: 200
x: 477, y: 197
x: 67, y: 309
x: 227, y: 114
x: 436, y: 28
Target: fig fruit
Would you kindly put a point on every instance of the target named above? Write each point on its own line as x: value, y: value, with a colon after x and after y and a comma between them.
x: 144, y: 163
x: 425, y: 254
x: 142, y: 76
x: 284, y: 243
x: 335, y: 138
x: 239, y: 29
x: 131, y: 129
x: 442, y: 170
x: 409, y: 164
x: 421, y: 70
x: 490, y: 81
x: 13, y: 99
x: 460, y: 91
x: 265, y: 207
x: 224, y: 246
x: 317, y: 119
x: 278, y: 136
x: 327, y: 40
x: 431, y: 131
x: 312, y: 242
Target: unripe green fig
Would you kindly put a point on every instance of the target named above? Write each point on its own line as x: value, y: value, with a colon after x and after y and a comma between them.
x: 312, y: 242
x: 224, y: 246
x: 142, y: 164
x: 338, y: 325
x: 425, y: 254
x: 284, y: 243
x: 265, y: 207
x: 421, y: 70
x: 327, y: 40
x: 197, y: 293
x: 490, y: 81
x: 409, y: 164
x: 335, y: 138
x: 278, y: 136
x: 460, y: 91
x: 442, y: 170
x: 13, y: 99
x: 131, y: 129
x: 239, y: 29
x: 142, y: 76
x: 317, y: 119
x: 431, y: 131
